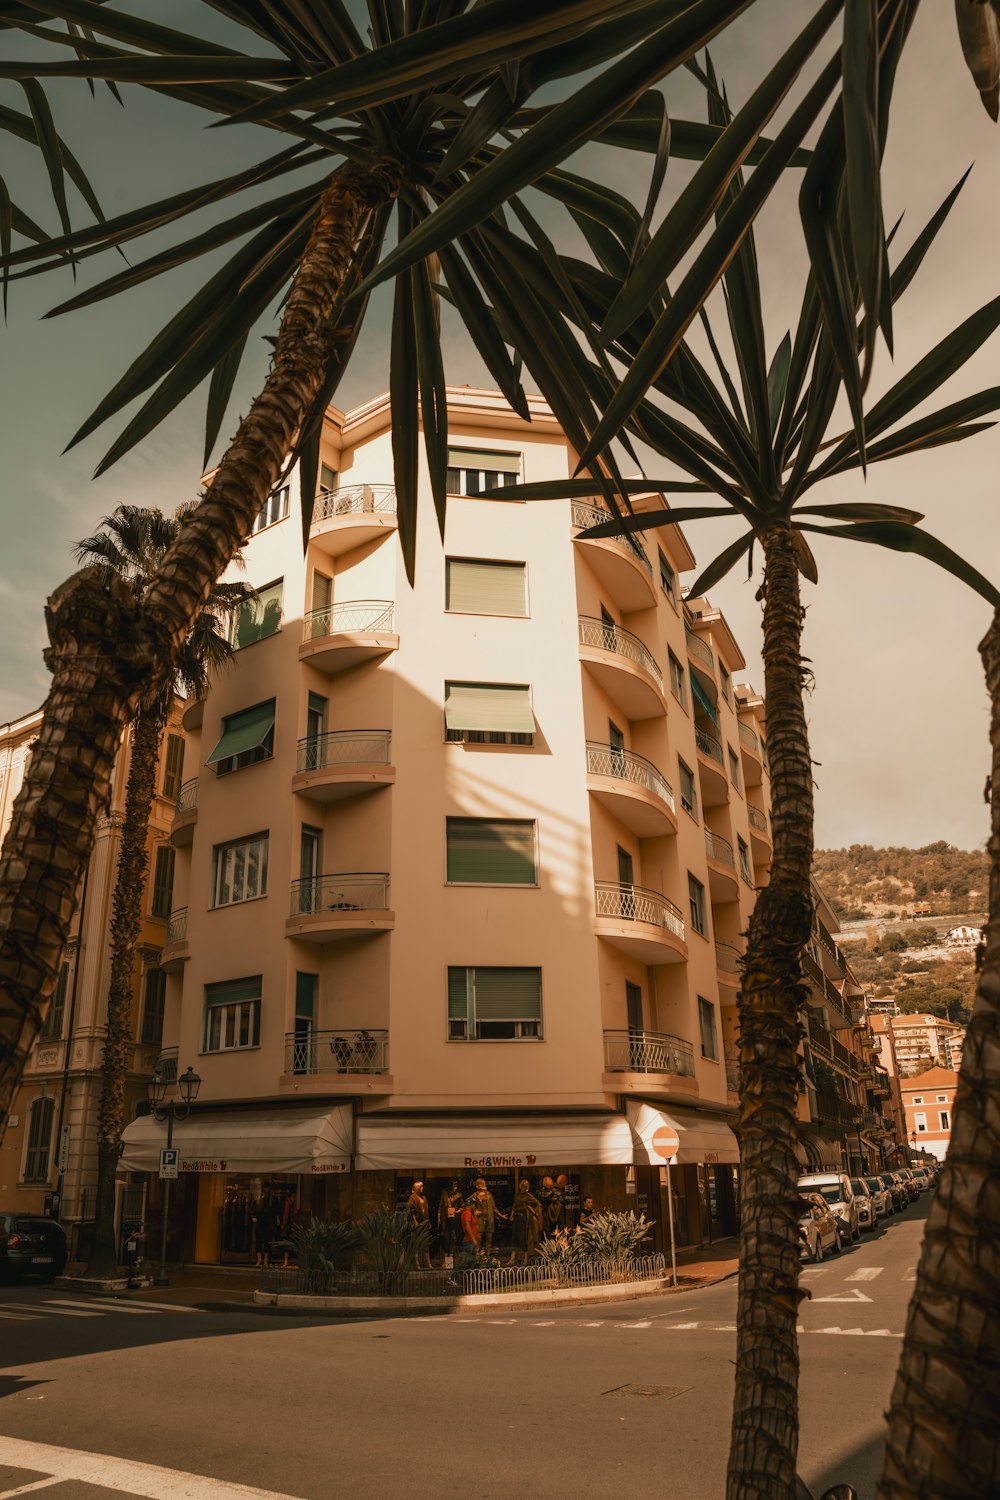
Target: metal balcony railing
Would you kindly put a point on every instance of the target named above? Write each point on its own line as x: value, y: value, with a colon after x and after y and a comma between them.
x: 634, y: 903
x: 177, y: 926
x: 166, y: 1065
x: 585, y: 515
x: 699, y: 649
x: 608, y: 760
x: 727, y: 958
x: 355, y: 500
x: 595, y: 632
x: 366, y: 891
x: 708, y: 745
x: 719, y: 849
x: 342, y: 619
x: 337, y: 1052
x: 344, y: 747
x: 757, y: 818
x: 187, y: 797
x: 732, y: 1074
x: 835, y: 1108
x: 749, y: 739
x: 636, y: 1051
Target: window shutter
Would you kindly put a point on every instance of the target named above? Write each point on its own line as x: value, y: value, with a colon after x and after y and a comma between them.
x: 163, y: 881
x: 36, y: 1160
x: 244, y: 731
x: 508, y: 464
x: 491, y: 851
x: 233, y: 991
x: 152, y: 1008
x: 173, y: 765
x: 458, y: 995
x: 489, y: 706
x: 508, y: 994
x: 485, y: 588
x: 305, y: 996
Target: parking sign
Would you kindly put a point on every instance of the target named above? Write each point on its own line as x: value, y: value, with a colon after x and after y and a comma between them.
x: 168, y: 1161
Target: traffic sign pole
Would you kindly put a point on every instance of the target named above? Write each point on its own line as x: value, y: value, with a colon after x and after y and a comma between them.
x: 670, y: 1215
x: 666, y: 1143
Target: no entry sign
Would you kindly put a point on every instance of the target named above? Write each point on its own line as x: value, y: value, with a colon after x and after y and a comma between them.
x: 665, y: 1142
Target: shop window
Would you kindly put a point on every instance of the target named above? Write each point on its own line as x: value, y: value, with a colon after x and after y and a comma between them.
x: 488, y: 713
x: 39, y: 1144
x: 474, y: 471
x: 247, y: 737
x: 706, y: 1022
x: 258, y: 617
x: 52, y: 1026
x: 494, y: 1004
x: 696, y: 903
x: 173, y: 766
x: 163, y: 882
x: 232, y: 1015
x: 239, y: 870
x: 689, y: 794
x: 154, y: 996
x: 491, y: 851
x: 678, y: 685
x: 745, y: 867
x: 668, y: 582
x: 275, y: 509
x: 474, y: 587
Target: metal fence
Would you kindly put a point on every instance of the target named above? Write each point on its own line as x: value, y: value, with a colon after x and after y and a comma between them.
x: 462, y: 1281
x: 635, y: 1051
x: 355, y: 615
x: 187, y: 797
x: 757, y: 818
x: 699, y: 649
x: 355, y: 892
x: 337, y: 1052
x: 610, y: 637
x: 177, y: 926
x: 354, y: 500
x: 708, y: 745
x: 634, y: 903
x: 585, y: 516
x: 749, y: 739
x: 719, y: 849
x: 624, y: 765
x: 344, y: 747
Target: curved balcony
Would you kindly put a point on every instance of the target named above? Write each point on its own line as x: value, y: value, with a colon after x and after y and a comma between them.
x: 193, y: 715
x: 647, y: 1061
x: 176, y: 949
x: 722, y: 880
x: 760, y: 834
x: 701, y: 658
x: 727, y: 965
x: 640, y: 922
x: 632, y: 789
x: 348, y: 635
x: 752, y: 756
x: 336, y: 1062
x: 185, y: 814
x: 624, y: 667
x: 620, y: 562
x: 328, y: 908
x: 332, y: 767
x: 711, y: 769
x: 347, y: 518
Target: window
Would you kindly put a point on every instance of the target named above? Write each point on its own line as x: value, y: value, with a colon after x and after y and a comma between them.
x: 163, y: 882
x: 322, y: 601
x: 232, y: 1015
x: 668, y: 583
x: 328, y: 477
x: 941, y: 1099
x: 689, y: 797
x: 151, y: 1033
x: 678, y: 686
x: 488, y: 713
x: 944, y: 1116
x: 918, y: 1098
x: 491, y: 851
x: 259, y: 617
x: 275, y: 508
x: 734, y: 767
x: 633, y: 1006
x: 726, y: 681
x: 247, y: 737
x: 303, y: 1058
x: 52, y: 1026
x: 920, y: 1122
x: 494, y: 1005
x: 746, y: 869
x: 36, y: 1156
x: 239, y: 870
x: 485, y: 588
x: 696, y: 901
x: 173, y: 766
x: 706, y: 1021
x: 473, y: 471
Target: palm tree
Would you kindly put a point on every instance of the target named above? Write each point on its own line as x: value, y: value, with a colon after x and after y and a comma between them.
x: 427, y: 119
x: 128, y: 548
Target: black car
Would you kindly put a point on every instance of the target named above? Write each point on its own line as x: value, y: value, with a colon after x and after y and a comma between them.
x: 32, y: 1247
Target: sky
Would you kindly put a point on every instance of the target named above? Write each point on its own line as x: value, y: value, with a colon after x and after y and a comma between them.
x: 898, y: 714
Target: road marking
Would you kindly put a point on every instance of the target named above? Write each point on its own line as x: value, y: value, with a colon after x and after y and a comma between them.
x: 680, y: 1325
x: 594, y: 1325
x: 19, y: 1317
x: 26, y: 1489
x: 865, y: 1273
x: 37, y: 1310
x: 132, y: 1304
x: 854, y: 1295
x: 90, y: 1308
x: 82, y: 1309
x: 910, y: 1274
x: 646, y: 1324
x: 549, y: 1324
x: 126, y: 1475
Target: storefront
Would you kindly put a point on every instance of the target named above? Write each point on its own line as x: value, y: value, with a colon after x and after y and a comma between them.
x: 703, y: 1176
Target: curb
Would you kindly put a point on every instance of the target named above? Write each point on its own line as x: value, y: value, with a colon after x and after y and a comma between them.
x: 102, y: 1283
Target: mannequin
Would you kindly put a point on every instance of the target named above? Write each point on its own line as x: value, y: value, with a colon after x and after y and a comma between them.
x: 420, y: 1214
x: 449, y: 1218
x: 526, y: 1223
x: 486, y: 1213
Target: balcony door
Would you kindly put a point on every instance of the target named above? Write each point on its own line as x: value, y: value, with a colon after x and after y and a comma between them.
x: 303, y: 1059
x: 315, y: 730
x: 626, y: 883
x: 310, y: 868
x: 610, y: 640
x: 633, y: 1009
x: 617, y: 741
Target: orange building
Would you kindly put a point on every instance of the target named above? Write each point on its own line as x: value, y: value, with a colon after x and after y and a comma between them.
x: 927, y: 1103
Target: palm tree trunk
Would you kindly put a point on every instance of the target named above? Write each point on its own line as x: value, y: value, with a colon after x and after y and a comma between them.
x: 765, y: 1430
x: 126, y: 919
x: 944, y: 1416
x: 106, y: 654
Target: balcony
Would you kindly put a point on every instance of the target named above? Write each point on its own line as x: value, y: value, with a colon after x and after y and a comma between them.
x: 711, y: 769
x: 752, y: 756
x: 185, y: 814
x: 176, y: 950
x: 329, y: 908
x: 833, y: 1109
x: 348, y: 635
x: 623, y: 666
x: 347, y: 518
x: 827, y: 990
x: 701, y: 658
x: 639, y: 922
x: 336, y: 1062
x: 620, y: 562
x: 632, y: 789
x: 722, y: 881
x: 727, y: 965
x: 642, y: 1060
x: 166, y: 1064
x: 760, y: 834
x: 346, y: 763
x: 732, y: 1074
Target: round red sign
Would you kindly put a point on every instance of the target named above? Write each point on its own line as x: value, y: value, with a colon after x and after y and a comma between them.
x: 665, y: 1142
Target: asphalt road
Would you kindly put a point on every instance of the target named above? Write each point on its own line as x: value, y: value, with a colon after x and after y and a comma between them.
x: 590, y: 1402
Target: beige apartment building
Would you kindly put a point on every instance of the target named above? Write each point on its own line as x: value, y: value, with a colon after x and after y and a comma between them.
x: 463, y: 868
x: 923, y: 1041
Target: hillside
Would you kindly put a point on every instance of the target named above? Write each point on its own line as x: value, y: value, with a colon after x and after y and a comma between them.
x: 937, y: 880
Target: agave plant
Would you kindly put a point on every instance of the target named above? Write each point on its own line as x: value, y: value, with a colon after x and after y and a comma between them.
x: 322, y: 1251
x: 392, y: 1245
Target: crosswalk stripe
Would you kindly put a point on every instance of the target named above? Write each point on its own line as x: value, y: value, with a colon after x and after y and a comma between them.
x: 37, y: 1310
x: 82, y: 1309
x: 19, y: 1317
x: 865, y: 1273
x: 122, y: 1304
x: 110, y: 1304
x: 36, y: 1484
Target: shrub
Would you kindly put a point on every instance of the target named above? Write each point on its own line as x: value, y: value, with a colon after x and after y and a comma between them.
x: 321, y: 1251
x: 609, y: 1242
x: 391, y: 1244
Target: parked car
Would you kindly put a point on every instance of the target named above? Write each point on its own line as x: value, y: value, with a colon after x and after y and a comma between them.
x: 894, y: 1188
x: 881, y: 1197
x: 836, y: 1188
x: 922, y: 1176
x: 32, y: 1247
x: 867, y: 1213
x: 819, y: 1228
x: 910, y: 1183
x: 904, y: 1185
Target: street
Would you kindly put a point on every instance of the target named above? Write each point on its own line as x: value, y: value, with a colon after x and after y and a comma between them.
x: 632, y: 1398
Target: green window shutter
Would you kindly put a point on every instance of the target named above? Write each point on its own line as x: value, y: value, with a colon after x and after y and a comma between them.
x: 508, y: 994
x: 493, y: 706
x: 163, y: 881
x: 305, y: 996
x: 485, y: 588
x: 458, y: 995
x: 233, y: 991
x: 173, y: 765
x: 479, y: 458
x: 244, y: 731
x: 491, y: 851
x: 703, y: 701
x: 153, y: 1006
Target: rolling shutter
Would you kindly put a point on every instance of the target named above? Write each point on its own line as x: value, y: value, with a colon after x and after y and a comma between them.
x: 485, y: 588
x: 508, y: 994
x: 491, y: 851
x: 499, y: 707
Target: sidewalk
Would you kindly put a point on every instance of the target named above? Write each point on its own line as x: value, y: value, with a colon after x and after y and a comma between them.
x: 701, y: 1265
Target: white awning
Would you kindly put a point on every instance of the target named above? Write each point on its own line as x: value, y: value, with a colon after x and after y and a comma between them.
x: 258, y: 1141
x: 465, y: 1141
x: 703, y: 1140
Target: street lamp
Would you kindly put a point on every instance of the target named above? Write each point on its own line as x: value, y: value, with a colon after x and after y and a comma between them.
x: 187, y: 1086
x: 913, y: 1141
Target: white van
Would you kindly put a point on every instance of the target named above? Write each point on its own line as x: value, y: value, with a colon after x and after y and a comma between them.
x: 835, y: 1187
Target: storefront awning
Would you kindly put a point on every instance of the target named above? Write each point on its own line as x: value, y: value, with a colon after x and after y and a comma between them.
x: 462, y: 1142
x: 259, y: 1141
x: 702, y: 1138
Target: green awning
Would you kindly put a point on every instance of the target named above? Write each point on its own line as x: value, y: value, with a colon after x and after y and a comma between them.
x: 488, y: 706
x: 702, y: 700
x: 245, y: 731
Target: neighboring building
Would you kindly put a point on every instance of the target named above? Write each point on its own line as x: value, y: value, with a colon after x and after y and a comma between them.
x: 928, y: 1102
x: 882, y: 1005
x: 964, y: 937
x: 923, y: 1041
x: 953, y: 1045
x: 462, y: 868
x: 48, y: 1160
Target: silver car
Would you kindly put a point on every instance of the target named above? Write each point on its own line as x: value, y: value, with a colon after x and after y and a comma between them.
x: 865, y: 1204
x: 881, y: 1197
